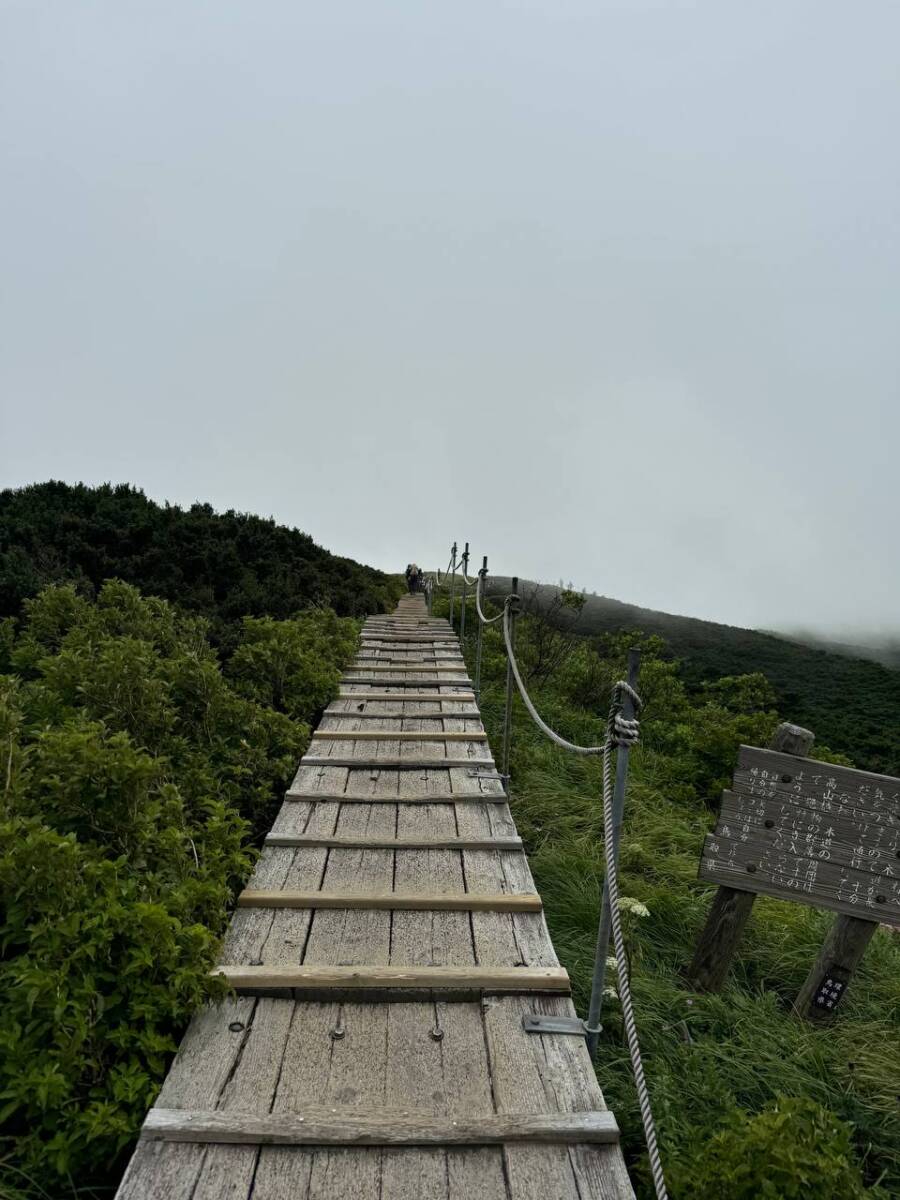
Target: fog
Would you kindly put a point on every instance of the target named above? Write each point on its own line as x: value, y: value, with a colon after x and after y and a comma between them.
x: 608, y: 289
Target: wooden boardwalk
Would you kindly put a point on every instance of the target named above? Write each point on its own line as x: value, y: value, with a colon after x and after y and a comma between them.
x: 386, y: 950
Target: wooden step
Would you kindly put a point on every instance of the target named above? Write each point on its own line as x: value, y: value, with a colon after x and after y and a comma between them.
x: 327, y: 1125
x: 397, y: 764
x: 397, y: 735
x: 369, y: 842
x: 414, y: 798
x: 377, y: 978
x: 392, y: 901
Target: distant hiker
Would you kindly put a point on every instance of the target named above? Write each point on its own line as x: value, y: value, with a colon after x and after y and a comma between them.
x: 413, y: 578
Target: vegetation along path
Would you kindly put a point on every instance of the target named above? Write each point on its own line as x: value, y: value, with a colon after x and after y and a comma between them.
x: 383, y: 958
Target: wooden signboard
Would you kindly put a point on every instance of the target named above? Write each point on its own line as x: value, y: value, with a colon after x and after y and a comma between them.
x: 809, y: 831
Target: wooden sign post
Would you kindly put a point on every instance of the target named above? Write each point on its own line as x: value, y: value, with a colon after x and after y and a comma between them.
x: 802, y: 830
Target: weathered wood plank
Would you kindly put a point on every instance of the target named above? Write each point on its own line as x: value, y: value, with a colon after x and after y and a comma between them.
x: 377, y: 679
x: 318, y: 1125
x: 470, y: 717
x: 378, y: 977
x: 395, y: 764
x: 405, y: 843
x: 464, y: 902
x: 448, y: 695
x: 402, y: 735
x: 415, y: 798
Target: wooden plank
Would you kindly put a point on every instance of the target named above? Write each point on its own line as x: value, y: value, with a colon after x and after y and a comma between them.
x: 406, y: 683
x: 409, y: 667
x: 463, y: 902
x: 467, y: 697
x: 396, y: 764
x: 319, y: 1125
x: 415, y: 798
x: 400, y: 735
x: 408, y: 843
x: 378, y: 977
x: 399, y: 715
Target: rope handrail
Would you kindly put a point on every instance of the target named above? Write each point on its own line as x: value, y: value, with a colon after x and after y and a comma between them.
x: 478, y: 590
x: 614, y: 724
x: 532, y: 711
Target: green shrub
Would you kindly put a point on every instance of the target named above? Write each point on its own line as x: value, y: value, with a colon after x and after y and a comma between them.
x: 793, y: 1150
x: 133, y: 776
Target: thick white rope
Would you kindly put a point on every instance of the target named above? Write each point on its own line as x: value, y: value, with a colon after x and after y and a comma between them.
x: 481, y: 617
x: 613, y: 738
x: 533, y: 712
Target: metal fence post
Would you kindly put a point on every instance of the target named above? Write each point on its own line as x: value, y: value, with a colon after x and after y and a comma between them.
x: 592, y: 1025
x: 462, y: 611
x: 507, y: 715
x: 482, y: 575
x: 452, y: 582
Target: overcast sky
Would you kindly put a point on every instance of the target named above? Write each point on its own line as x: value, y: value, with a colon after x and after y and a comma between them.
x: 609, y: 289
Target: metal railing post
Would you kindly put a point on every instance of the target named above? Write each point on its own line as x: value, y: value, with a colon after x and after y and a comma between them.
x: 452, y: 582
x: 462, y: 611
x: 592, y: 1025
x: 510, y: 684
x: 482, y: 575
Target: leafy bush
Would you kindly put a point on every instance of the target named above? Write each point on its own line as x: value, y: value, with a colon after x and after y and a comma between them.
x: 133, y: 774
x: 793, y: 1150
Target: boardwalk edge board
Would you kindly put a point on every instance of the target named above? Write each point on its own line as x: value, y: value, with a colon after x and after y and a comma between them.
x: 364, y: 978
x: 391, y: 901
x: 319, y: 1125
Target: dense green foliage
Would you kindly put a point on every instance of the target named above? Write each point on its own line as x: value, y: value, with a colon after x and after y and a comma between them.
x: 812, y: 687
x: 134, y: 772
x: 724, y: 1070
x: 225, y: 566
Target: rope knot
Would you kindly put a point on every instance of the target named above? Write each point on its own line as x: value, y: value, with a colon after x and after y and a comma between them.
x: 624, y: 732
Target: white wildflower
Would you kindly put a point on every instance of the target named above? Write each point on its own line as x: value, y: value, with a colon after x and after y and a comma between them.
x: 610, y: 993
x: 612, y: 964
x: 635, y: 907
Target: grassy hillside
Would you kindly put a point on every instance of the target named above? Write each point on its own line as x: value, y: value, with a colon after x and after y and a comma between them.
x: 224, y: 566
x: 851, y: 704
x: 749, y: 1101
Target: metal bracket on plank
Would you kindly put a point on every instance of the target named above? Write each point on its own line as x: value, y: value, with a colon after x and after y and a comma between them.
x: 485, y: 774
x: 542, y: 1023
